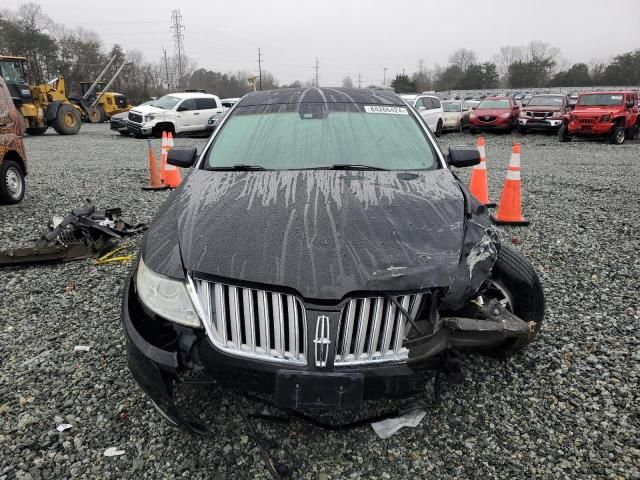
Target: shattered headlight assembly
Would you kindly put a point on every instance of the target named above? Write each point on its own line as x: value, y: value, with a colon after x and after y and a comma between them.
x: 605, y: 118
x: 505, y: 115
x: 166, y: 297
x: 148, y: 118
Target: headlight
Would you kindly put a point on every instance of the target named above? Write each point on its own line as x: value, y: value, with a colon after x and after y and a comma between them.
x: 166, y: 297
x: 573, y: 118
x: 605, y: 118
x: 149, y: 117
x: 505, y: 115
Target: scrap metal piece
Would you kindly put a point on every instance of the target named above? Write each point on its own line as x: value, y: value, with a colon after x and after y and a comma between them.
x: 84, y: 232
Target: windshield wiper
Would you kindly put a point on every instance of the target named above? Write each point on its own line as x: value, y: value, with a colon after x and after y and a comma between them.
x: 239, y: 168
x: 347, y: 166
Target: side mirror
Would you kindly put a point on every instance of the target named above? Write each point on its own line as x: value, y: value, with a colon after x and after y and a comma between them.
x: 183, y: 157
x: 182, y: 108
x: 629, y: 104
x: 473, y: 108
x: 461, y: 157
x: 524, y: 104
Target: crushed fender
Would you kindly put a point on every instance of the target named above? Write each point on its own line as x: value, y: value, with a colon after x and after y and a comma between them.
x: 82, y: 233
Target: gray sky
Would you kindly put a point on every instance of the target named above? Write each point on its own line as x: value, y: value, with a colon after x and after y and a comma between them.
x: 353, y: 36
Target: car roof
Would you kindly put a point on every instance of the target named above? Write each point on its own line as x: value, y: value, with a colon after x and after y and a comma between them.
x: 367, y: 96
x: 501, y: 97
x: 608, y: 92
x: 190, y: 94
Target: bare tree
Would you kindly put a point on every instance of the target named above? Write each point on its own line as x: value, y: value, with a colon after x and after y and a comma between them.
x: 463, y: 58
x: 508, y: 55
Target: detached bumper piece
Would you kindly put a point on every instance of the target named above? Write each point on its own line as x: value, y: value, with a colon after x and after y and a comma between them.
x: 495, y: 326
x: 84, y: 232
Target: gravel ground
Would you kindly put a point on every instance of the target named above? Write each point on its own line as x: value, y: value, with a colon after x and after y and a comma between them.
x: 565, y: 408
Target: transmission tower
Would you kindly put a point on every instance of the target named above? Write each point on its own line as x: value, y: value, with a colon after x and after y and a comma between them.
x: 178, y: 36
x: 317, y: 68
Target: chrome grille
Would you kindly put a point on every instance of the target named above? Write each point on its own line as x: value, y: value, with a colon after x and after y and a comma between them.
x: 487, y: 119
x: 134, y: 117
x: 373, y: 329
x: 587, y: 120
x: 253, y: 323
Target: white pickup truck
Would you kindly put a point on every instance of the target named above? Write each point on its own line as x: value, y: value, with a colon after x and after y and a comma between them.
x: 183, y: 112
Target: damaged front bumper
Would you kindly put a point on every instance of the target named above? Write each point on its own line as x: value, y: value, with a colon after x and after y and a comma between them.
x: 161, y: 354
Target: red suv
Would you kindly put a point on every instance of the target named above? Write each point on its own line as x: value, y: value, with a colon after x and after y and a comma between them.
x: 495, y: 113
x: 612, y: 115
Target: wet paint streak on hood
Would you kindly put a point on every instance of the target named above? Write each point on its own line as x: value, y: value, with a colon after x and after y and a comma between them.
x: 324, y: 234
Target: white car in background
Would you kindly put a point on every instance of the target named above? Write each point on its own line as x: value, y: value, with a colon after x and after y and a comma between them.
x: 430, y: 108
x: 185, y: 112
x: 227, y: 103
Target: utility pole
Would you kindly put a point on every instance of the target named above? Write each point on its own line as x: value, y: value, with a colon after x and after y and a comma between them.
x: 166, y: 68
x: 260, y: 68
x: 178, y: 37
x: 317, y: 67
x: 359, y: 80
x: 384, y: 79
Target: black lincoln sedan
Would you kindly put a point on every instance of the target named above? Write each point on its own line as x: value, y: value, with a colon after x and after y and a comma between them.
x: 321, y: 251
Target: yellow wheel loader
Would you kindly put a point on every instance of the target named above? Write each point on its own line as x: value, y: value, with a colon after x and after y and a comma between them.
x: 43, y: 105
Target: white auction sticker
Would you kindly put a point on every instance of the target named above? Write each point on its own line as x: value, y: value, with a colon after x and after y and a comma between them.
x: 385, y: 109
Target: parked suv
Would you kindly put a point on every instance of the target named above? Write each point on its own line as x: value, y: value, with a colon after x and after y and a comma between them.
x: 13, y: 160
x: 322, y: 251
x: 543, y: 112
x: 611, y: 115
x: 176, y: 112
x: 430, y: 108
x: 494, y: 113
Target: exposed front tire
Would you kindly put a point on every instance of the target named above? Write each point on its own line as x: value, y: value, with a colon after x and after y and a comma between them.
x: 522, y: 130
x: 632, y: 133
x: 473, y: 130
x: 617, y: 136
x: 67, y: 120
x: 563, y: 136
x: 12, y: 185
x: 515, y: 283
x: 438, y: 132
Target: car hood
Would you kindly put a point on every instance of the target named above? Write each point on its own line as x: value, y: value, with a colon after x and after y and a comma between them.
x: 147, y: 109
x: 542, y: 108
x: 491, y: 112
x: 322, y: 233
x: 586, y: 110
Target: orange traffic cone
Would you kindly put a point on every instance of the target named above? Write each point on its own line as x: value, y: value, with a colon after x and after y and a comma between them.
x: 171, y: 173
x: 510, y: 209
x: 163, y: 156
x: 155, y: 183
x: 479, y: 187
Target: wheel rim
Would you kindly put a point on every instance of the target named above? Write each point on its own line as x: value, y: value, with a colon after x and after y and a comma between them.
x: 69, y: 119
x: 13, y: 180
x: 620, y: 136
x: 493, y: 289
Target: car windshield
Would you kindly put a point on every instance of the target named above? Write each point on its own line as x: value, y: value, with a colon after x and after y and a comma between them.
x: 451, y: 107
x: 310, y: 136
x: 546, y: 101
x: 601, y: 99
x: 12, y: 71
x: 167, y: 102
x: 489, y: 104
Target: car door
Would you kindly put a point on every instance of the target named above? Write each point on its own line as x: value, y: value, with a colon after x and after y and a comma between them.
x: 437, y: 113
x: 187, y: 116
x: 207, y: 107
x: 424, y: 105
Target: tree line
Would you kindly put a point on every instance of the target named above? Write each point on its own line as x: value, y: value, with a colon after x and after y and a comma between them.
x: 537, y: 64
